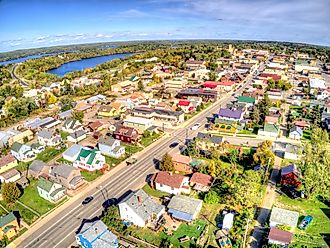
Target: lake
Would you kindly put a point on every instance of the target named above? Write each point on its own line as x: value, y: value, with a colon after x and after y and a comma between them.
x: 19, y: 60
x: 82, y: 64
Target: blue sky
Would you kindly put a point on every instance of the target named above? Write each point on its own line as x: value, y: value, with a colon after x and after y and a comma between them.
x: 38, y: 23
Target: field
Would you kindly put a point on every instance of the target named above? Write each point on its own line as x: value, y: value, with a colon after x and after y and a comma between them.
x: 312, y: 236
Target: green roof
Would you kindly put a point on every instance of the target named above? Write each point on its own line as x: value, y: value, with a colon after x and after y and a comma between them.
x: 87, y: 153
x: 246, y: 99
x: 272, y: 128
x: 45, y: 184
x: 6, y: 219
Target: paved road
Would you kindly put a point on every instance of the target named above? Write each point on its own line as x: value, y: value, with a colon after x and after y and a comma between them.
x: 24, y: 84
x: 59, y: 230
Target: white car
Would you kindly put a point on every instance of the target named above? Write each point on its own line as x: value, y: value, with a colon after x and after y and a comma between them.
x: 195, y: 126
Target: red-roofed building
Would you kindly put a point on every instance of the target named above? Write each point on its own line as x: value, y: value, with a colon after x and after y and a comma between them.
x: 201, y: 182
x: 171, y: 183
x: 301, y: 124
x: 186, y: 106
x: 279, y: 237
x: 181, y: 163
x: 221, y: 86
x: 275, y: 77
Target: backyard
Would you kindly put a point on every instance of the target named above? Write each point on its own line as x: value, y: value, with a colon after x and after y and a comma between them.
x: 90, y: 175
x: 312, y: 236
x: 49, y: 153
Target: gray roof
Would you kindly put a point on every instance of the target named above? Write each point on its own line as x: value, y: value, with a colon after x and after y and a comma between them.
x: 296, y: 129
x: 77, y: 134
x: 36, y: 145
x: 107, y: 141
x: 73, y: 150
x: 65, y: 114
x: 37, y: 165
x: 284, y: 216
x: 9, y: 174
x: 71, y: 123
x: 290, y: 168
x: 142, y: 204
x: 184, y: 204
x: 216, y: 139
x: 46, y: 134
x: 62, y: 170
x: 98, y: 234
x: 16, y: 147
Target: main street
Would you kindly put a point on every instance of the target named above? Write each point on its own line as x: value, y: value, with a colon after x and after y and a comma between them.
x: 59, y: 230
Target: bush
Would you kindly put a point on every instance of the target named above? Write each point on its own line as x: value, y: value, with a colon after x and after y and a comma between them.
x: 211, y: 198
x: 10, y: 192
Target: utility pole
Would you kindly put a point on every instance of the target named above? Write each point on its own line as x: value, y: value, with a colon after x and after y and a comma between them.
x: 246, y: 230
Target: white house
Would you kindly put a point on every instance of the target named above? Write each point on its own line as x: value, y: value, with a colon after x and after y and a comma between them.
x: 71, y: 154
x: 49, y: 138
x: 296, y: 133
x: 89, y: 159
x: 10, y: 176
x: 50, y: 191
x: 22, y: 152
x: 72, y: 125
x: 171, y: 183
x: 77, y: 136
x: 140, y: 209
x: 111, y: 147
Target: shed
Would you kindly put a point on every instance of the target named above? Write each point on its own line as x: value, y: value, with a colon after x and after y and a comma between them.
x: 281, y: 216
x: 184, y: 208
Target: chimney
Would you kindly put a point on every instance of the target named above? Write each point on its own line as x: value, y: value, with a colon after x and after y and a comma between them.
x: 139, y: 198
x: 96, y: 230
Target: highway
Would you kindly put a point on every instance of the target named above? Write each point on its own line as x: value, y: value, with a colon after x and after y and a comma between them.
x: 59, y: 231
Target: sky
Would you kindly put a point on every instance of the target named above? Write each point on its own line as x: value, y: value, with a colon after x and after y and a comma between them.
x: 40, y: 23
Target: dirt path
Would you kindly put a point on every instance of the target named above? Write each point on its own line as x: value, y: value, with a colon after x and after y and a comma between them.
x: 266, y: 206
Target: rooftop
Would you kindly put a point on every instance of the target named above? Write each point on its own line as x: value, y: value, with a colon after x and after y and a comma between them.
x: 172, y: 180
x: 184, y: 204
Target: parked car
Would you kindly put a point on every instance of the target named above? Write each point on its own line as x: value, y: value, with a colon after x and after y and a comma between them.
x: 131, y: 160
x: 87, y: 200
x: 305, y: 222
x: 195, y: 126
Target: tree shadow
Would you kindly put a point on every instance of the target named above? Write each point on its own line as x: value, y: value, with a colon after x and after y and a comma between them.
x: 156, y: 163
x: 84, y: 221
x: 326, y: 238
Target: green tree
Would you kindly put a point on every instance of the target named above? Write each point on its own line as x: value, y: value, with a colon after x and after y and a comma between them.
x: 78, y: 115
x: 167, y: 163
x: 10, y: 192
x: 264, y: 155
x: 212, y: 197
x: 66, y: 103
x: 111, y: 218
x: 140, y: 86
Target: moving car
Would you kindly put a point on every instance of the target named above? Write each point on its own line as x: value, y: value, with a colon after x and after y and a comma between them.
x: 87, y: 200
x: 174, y: 144
x: 131, y: 160
x: 195, y: 126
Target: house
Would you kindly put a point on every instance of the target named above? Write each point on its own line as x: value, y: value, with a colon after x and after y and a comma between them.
x: 175, y: 84
x: 95, y: 126
x: 184, y: 207
x: 89, y: 159
x: 296, y: 133
x: 7, y: 163
x: 72, y: 125
x: 111, y: 147
x: 9, y: 226
x: 126, y: 134
x: 139, y: 123
x: 171, y: 183
x: 50, y: 191
x: 230, y: 114
x: 302, y: 124
x: 247, y: 100
x: 290, y: 176
x: 65, y: 114
x: 269, y: 130
x: 37, y: 148
x: 38, y: 168
x: 71, y: 154
x: 181, y: 163
x: 206, y: 95
x: 206, y: 141
x: 281, y: 216
x: 116, y: 108
x: 140, y: 209
x: 201, y: 182
x: 279, y: 237
x: 77, y: 136
x: 49, y: 138
x: 10, y: 176
x: 195, y: 64
x: 186, y: 106
x: 96, y: 234
x: 223, y: 86
x: 66, y: 175
x: 20, y: 136
x: 22, y: 152
x: 272, y: 120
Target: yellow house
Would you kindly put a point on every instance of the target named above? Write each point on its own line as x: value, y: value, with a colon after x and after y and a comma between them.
x: 105, y: 111
x: 8, y: 226
x: 114, y: 109
x: 7, y: 163
x: 20, y: 136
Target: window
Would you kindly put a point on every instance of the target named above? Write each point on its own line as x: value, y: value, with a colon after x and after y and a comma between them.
x: 172, y: 188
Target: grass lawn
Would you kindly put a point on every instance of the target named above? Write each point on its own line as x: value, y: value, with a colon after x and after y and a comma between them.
x: 63, y: 161
x: 320, y: 224
x: 32, y: 199
x: 114, y: 161
x: 90, y: 176
x: 247, y: 132
x: 49, y: 154
x: 193, y: 230
x: 147, y: 235
x: 153, y: 192
x: 131, y: 149
x: 64, y: 135
x: 28, y: 216
x: 146, y: 141
x: 306, y: 135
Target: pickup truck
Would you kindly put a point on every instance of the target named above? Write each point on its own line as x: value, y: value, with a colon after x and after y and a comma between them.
x: 131, y: 160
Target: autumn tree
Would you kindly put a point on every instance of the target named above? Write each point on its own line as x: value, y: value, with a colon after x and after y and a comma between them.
x: 167, y: 163
x: 10, y: 192
x: 264, y: 155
